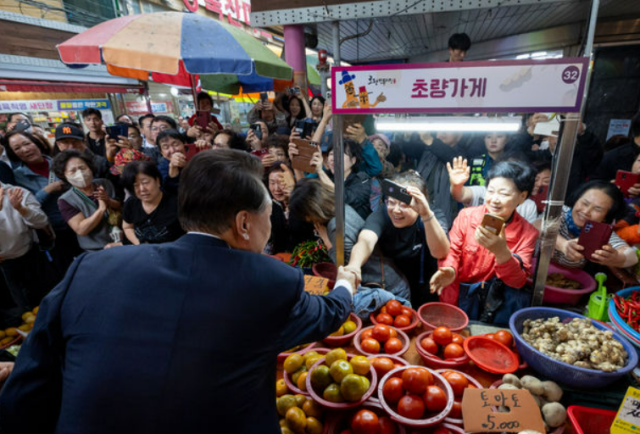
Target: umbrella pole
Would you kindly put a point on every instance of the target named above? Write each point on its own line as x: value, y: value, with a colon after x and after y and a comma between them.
x: 194, y: 85
x: 147, y: 98
x: 338, y: 162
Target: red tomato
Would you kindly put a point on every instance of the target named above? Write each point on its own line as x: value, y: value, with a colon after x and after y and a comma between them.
x: 435, y: 398
x: 490, y: 336
x: 442, y: 336
x: 416, y: 380
x: 392, y: 390
x: 458, y: 382
x: 456, y: 410
x: 393, y: 345
x: 457, y: 339
x: 406, y: 311
x: 387, y: 426
x: 394, y: 332
x: 366, y: 334
x: 384, y: 309
x: 429, y: 346
x: 382, y: 365
x: 370, y: 346
x: 394, y: 307
x: 504, y: 337
x: 381, y: 333
x: 384, y: 318
x: 402, y: 321
x: 411, y: 406
x: 397, y: 365
x: 441, y: 430
x: 365, y: 422
x: 453, y: 351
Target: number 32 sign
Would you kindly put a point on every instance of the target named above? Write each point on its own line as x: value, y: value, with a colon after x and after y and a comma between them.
x: 480, y: 411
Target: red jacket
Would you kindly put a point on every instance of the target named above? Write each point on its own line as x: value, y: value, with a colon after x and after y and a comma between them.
x: 474, y: 263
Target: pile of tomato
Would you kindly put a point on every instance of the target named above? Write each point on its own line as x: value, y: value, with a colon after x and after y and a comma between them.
x: 458, y: 383
x: 443, y: 343
x: 413, y: 394
x: 395, y: 314
x: 368, y: 422
x: 381, y: 337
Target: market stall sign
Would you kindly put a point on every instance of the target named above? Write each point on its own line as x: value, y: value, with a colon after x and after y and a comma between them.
x: 316, y: 285
x: 628, y: 418
x: 100, y: 104
x: 140, y: 108
x: 27, y: 106
x: 480, y: 411
x: 552, y: 85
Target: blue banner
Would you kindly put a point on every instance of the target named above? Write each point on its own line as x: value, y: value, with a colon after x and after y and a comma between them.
x: 100, y: 104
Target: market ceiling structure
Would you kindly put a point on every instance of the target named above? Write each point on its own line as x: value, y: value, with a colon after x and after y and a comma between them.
x: 418, y: 30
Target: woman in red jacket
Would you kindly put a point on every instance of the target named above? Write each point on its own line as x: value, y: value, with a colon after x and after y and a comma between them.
x: 476, y: 253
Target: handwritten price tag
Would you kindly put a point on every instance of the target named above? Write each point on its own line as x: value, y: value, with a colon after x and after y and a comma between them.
x: 480, y: 411
x: 628, y: 418
x: 316, y: 285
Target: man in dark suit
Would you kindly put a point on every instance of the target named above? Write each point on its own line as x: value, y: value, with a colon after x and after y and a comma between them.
x: 173, y: 338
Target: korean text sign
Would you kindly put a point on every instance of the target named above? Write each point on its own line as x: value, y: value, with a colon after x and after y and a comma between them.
x: 480, y: 411
x: 498, y: 86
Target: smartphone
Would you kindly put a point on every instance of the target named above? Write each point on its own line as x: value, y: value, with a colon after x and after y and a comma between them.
x: 263, y: 97
x: 625, y: 180
x: 493, y: 223
x: 305, y: 128
x: 260, y: 153
x: 396, y: 191
x: 203, y: 118
x: 118, y: 130
x: 256, y: 130
x: 594, y: 235
x: 302, y: 161
x: 539, y: 197
x: 295, y: 90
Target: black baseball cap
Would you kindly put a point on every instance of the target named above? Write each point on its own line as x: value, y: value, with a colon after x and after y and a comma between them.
x: 69, y: 131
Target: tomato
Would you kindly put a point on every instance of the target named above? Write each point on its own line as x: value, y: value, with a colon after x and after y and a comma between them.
x: 370, y: 346
x: 458, y: 382
x: 382, y: 365
x: 456, y: 410
x: 393, y: 390
x: 394, y: 307
x: 394, y: 332
x: 442, y: 430
x: 416, y: 380
x: 457, y: 339
x: 393, y: 345
x: 397, y: 365
x: 384, y: 318
x: 366, y: 334
x: 387, y: 426
x: 504, y: 337
x: 411, y: 406
x: 365, y: 422
x: 381, y: 333
x: 402, y: 321
x: 490, y: 336
x: 384, y: 309
x: 453, y: 351
x: 406, y: 311
x: 442, y: 336
x: 429, y: 346
x: 435, y: 399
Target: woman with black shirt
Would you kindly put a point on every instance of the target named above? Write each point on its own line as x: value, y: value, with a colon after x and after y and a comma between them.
x: 150, y: 216
x: 412, y: 235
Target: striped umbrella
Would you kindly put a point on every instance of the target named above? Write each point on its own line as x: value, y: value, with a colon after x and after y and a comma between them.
x: 176, y: 48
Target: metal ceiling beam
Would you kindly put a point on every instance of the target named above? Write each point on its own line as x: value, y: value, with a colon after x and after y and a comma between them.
x: 377, y: 9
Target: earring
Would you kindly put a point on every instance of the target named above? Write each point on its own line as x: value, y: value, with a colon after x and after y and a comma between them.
x: 245, y: 236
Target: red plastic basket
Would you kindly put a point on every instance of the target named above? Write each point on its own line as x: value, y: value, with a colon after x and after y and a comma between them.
x: 339, y: 341
x: 587, y: 420
x: 328, y: 270
x: 287, y: 378
x: 436, y: 314
x: 407, y: 329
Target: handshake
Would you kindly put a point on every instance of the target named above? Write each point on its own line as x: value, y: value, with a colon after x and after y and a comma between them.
x: 351, y: 274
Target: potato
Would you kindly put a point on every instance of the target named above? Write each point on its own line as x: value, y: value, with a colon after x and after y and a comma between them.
x: 532, y: 384
x: 506, y: 386
x: 552, y: 392
x: 554, y: 414
x: 512, y: 379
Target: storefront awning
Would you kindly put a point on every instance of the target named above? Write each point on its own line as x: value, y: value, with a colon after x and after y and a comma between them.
x: 11, y: 85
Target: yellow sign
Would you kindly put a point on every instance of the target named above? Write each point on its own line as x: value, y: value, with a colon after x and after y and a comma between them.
x: 628, y: 418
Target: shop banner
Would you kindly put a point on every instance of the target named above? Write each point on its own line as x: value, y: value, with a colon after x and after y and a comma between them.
x: 27, y: 106
x: 618, y: 127
x: 553, y: 85
x: 100, y: 104
x: 137, y: 108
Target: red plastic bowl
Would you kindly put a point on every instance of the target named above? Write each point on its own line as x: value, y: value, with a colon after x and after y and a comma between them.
x: 339, y: 421
x: 436, y: 362
x: 16, y: 340
x: 401, y: 335
x: 328, y: 270
x: 283, y: 356
x: 396, y: 360
x: 338, y: 341
x: 436, y: 314
x: 555, y: 295
x: 407, y: 329
x: 417, y: 423
x: 373, y: 378
x: 491, y: 355
x: 472, y: 380
x: 287, y: 378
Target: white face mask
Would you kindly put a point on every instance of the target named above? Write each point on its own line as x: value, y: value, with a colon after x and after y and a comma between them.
x: 544, y: 145
x: 80, y: 179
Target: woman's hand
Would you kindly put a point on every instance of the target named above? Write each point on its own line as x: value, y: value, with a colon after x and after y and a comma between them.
x: 459, y: 173
x: 419, y: 203
x: 195, y: 131
x: 287, y: 180
x: 102, y: 206
x: 608, y: 256
x: 101, y: 194
x: 356, y: 132
x: 352, y: 273
x: 293, y: 150
x: 327, y: 111
x: 495, y: 243
x: 317, y: 161
x: 572, y: 250
x: 441, y: 279
x: 54, y: 187
x: 268, y: 160
x: 212, y: 127
x: 15, y: 199
x: 202, y: 144
x: 110, y: 245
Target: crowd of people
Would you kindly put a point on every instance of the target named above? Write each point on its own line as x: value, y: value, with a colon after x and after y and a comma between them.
x: 89, y: 191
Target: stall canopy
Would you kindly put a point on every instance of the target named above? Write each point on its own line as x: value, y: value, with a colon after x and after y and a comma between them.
x: 10, y: 85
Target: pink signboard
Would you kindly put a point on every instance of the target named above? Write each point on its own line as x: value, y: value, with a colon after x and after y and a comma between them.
x: 553, y: 85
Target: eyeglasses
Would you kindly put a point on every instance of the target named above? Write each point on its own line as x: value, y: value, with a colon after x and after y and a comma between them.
x: 392, y: 203
x: 160, y: 128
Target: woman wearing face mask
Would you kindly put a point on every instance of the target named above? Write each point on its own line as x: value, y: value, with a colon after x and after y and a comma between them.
x: 87, y: 204
x: 477, y: 254
x: 495, y: 145
x: 411, y: 235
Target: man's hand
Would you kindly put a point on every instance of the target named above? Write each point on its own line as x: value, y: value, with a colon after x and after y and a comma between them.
x: 287, y: 180
x: 15, y: 199
x: 441, y: 279
x: 419, y: 203
x: 195, y: 131
x: 178, y: 160
x: 267, y: 105
x: 110, y: 245
x: 459, y: 173
x: 268, y: 160
x: 317, y: 161
x: 212, y: 127
x: 5, y: 370
x: 537, y: 117
x: 350, y: 273
x: 202, y: 144
x: 356, y: 132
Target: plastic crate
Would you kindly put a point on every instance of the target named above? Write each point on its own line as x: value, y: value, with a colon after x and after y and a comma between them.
x: 587, y: 420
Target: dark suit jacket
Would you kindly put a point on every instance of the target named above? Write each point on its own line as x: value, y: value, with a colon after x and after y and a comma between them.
x: 171, y: 338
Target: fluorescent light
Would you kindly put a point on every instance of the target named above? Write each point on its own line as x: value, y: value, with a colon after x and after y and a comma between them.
x: 175, y: 91
x: 454, y: 124
x: 539, y: 54
x: 523, y: 56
